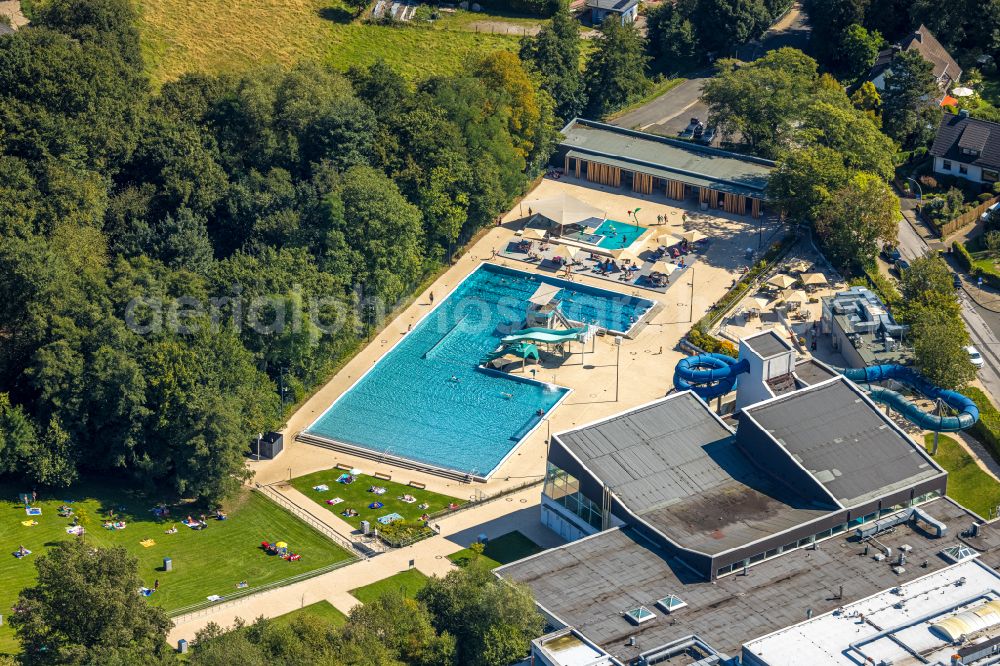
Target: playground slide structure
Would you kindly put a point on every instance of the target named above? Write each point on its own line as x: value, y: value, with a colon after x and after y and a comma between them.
x: 708, y: 375
x: 523, y: 349
x: 968, y: 413
x: 547, y: 335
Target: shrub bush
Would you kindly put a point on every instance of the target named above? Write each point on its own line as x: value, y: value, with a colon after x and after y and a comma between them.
x: 987, y: 428
x: 929, y: 182
x: 984, y: 197
x: 962, y: 255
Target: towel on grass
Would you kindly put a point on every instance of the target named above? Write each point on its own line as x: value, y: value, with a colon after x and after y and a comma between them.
x: 335, y: 500
x: 147, y: 543
x: 75, y: 530
x: 322, y: 488
x: 214, y: 597
x: 390, y: 518
x: 29, y: 523
x: 33, y: 510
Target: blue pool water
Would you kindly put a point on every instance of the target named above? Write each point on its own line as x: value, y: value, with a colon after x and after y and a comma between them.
x: 426, y: 400
x: 617, y: 234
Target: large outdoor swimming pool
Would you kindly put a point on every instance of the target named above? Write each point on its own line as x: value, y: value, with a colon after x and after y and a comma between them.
x: 426, y: 400
x: 611, y: 235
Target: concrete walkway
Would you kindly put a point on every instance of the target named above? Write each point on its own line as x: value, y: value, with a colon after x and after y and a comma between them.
x: 518, y: 511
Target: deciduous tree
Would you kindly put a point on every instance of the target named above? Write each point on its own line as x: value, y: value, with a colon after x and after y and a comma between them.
x: 616, y: 71
x: 856, y: 221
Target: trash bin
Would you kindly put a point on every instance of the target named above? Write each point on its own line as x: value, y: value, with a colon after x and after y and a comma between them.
x: 365, y: 527
x: 168, y: 564
x: 182, y: 646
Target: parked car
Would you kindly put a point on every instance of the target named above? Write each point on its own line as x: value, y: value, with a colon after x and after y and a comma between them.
x: 989, y: 211
x: 708, y: 136
x: 902, y: 265
x: 694, y: 126
x: 975, y: 357
x: 890, y: 253
x: 956, y: 280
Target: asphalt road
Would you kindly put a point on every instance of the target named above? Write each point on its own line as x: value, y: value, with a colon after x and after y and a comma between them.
x: 983, y: 325
x: 671, y: 112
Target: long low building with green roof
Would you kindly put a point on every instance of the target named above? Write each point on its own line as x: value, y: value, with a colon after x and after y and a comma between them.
x: 647, y: 163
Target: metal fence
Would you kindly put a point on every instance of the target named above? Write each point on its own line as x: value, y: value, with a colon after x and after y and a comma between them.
x: 239, y: 597
x: 364, y: 548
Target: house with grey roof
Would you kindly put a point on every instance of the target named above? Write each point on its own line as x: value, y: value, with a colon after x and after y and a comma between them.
x: 946, y: 70
x: 967, y: 147
x: 625, y: 10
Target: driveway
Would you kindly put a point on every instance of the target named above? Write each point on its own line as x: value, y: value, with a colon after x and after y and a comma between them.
x: 670, y: 113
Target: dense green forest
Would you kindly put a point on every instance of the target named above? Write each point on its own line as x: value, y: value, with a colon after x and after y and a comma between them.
x: 168, y: 260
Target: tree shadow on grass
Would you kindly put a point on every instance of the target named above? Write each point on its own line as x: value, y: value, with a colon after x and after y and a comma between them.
x: 336, y: 14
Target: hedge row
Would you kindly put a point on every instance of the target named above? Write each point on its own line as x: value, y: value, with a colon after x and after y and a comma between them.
x: 966, y: 260
x: 987, y: 428
x: 699, y: 336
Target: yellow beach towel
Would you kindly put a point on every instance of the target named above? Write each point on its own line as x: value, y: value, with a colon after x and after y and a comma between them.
x: 29, y: 523
x: 146, y: 543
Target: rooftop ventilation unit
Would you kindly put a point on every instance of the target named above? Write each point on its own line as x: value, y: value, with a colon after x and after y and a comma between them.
x: 639, y: 614
x: 671, y: 603
x: 958, y: 553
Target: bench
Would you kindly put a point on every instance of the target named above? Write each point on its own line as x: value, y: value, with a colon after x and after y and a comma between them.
x: 417, y: 484
x: 383, y: 476
x: 344, y: 466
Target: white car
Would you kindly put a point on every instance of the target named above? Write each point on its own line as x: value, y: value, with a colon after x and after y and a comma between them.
x: 975, y: 357
x: 989, y: 211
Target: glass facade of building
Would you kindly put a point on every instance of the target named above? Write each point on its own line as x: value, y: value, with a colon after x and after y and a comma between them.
x: 564, y: 489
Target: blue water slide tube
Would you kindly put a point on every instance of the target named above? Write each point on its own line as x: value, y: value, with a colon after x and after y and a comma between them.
x: 968, y: 413
x: 708, y: 375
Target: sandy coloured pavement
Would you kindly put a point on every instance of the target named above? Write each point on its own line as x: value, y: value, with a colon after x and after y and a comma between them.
x: 645, y: 372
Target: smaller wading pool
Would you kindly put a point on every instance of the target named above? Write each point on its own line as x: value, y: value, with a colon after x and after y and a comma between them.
x: 611, y: 235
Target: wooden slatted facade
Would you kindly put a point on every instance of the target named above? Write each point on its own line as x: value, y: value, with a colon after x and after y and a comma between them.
x: 644, y: 183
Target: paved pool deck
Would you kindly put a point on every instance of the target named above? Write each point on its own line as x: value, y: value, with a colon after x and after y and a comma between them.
x: 646, y: 362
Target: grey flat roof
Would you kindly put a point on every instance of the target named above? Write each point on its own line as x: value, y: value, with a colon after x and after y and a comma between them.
x: 812, y: 372
x: 618, y: 6
x: 588, y: 584
x: 767, y: 344
x: 674, y: 465
x: 668, y: 158
x: 845, y: 442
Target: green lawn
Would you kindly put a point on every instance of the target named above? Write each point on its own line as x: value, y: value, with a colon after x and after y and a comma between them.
x: 408, y: 582
x: 504, y: 549
x: 968, y: 485
x: 205, y: 562
x: 216, y: 36
x: 322, y: 610
x: 357, y: 497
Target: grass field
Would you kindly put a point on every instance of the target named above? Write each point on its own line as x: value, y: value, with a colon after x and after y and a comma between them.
x: 205, y: 562
x: 408, y: 582
x: 968, y: 485
x: 504, y: 549
x: 357, y: 497
x: 322, y: 610
x: 217, y: 36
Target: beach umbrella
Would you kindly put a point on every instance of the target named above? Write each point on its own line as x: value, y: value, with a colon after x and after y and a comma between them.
x: 761, y: 302
x: 962, y: 92
x: 813, y: 278
x: 628, y: 255
x: 794, y: 296
x: 664, y: 267
x: 693, y: 236
x: 569, y: 250
x: 665, y: 238
x: 531, y: 232
x: 781, y: 281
